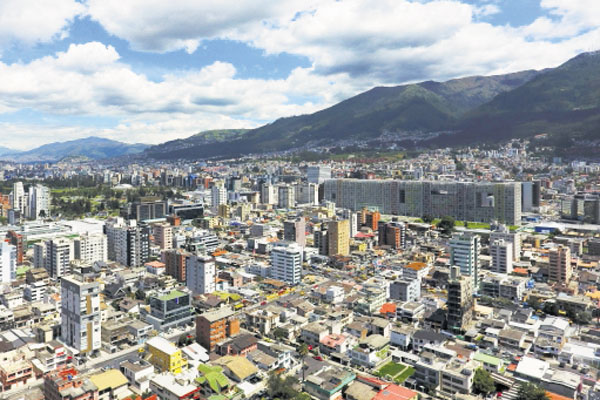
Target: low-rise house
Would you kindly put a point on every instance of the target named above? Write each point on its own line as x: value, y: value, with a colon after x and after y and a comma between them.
x: 138, y: 374
x: 329, y: 383
x: 371, y: 351
x: 422, y: 337
x: 111, y: 384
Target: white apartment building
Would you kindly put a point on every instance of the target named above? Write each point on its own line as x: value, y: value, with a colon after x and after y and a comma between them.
x: 200, y: 274
x: 464, y: 253
x: 80, y: 314
x: 91, y: 248
x: 502, y: 257
x: 286, y: 261
x: 59, y: 254
x: 8, y: 262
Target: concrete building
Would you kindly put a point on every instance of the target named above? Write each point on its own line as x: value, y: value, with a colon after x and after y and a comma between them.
x: 286, y: 196
x: 406, y: 290
x: 464, y: 253
x: 171, y: 310
x: 214, y: 327
x: 38, y: 202
x: 91, y: 248
x: 8, y: 262
x: 307, y: 193
x: 560, y: 269
x: 514, y: 238
x: 268, y: 194
x: 163, y: 236
x: 318, y: 173
x: 200, y: 274
x: 465, y: 201
x: 502, y: 257
x: 339, y: 237
x: 460, y: 302
x: 218, y: 195
x: 392, y: 234
x: 165, y: 356
x: 175, y: 260
x: 128, y: 242
x: 286, y: 261
x: 80, y: 314
x: 58, y: 256
x: 295, y: 231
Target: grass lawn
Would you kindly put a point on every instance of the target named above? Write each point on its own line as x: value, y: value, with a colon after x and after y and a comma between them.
x: 391, y: 369
x: 404, y: 375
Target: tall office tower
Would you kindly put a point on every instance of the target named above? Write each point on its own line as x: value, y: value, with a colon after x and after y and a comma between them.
x: 318, y: 173
x: 19, y: 200
x: 502, y: 258
x: 560, y: 269
x: 460, y: 302
x: 286, y: 196
x: 353, y: 218
x: 128, y: 243
x: 59, y: 254
x: 234, y: 183
x: 321, y: 241
x: 295, y: 231
x: 91, y: 248
x: 465, y: 201
x: 39, y: 255
x: 268, y: 194
x: 80, y: 314
x: 307, y: 193
x: 339, y: 237
x: 146, y: 208
x: 163, y: 236
x: 8, y: 262
x: 464, y: 253
x: 174, y: 261
x: 16, y: 240
x: 392, y: 234
x: 218, y: 195
x: 286, y: 263
x: 200, y: 274
x: 39, y: 202
x: 530, y: 195
x: 514, y: 238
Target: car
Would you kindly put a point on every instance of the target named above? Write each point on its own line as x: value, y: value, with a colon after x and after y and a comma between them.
x: 318, y: 358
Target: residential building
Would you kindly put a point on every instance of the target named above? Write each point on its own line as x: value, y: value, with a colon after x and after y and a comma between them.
x: 58, y: 256
x: 318, y: 173
x: 405, y: 290
x: 295, y: 231
x: 128, y: 242
x: 8, y: 262
x: 200, y: 274
x: 80, y: 314
x: 339, y: 237
x: 175, y: 263
x: 464, y: 253
x: 286, y: 196
x: 163, y: 236
x: 165, y: 356
x: 67, y: 384
x: 214, y: 327
x: 328, y: 383
x: 502, y: 258
x: 91, y: 248
x: 307, y: 193
x: 39, y: 202
x: 501, y: 232
x: 460, y: 302
x: 560, y: 269
x: 286, y: 261
x: 392, y: 234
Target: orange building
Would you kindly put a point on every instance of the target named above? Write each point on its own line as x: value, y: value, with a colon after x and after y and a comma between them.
x: 215, y: 326
x: 65, y: 384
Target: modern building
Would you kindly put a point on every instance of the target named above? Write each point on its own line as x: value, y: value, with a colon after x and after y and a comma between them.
x: 80, y: 314
x: 163, y: 236
x: 8, y: 262
x: 128, y: 242
x: 58, y: 256
x: 339, y: 237
x: 464, y: 253
x: 460, y: 302
x: 502, y: 257
x: 171, y: 310
x: 501, y: 232
x: 286, y: 261
x: 465, y: 201
x: 16, y: 239
x: 286, y: 196
x: 174, y: 261
x: 19, y: 199
x: 318, y: 173
x: 406, y: 290
x: 307, y: 193
x: 295, y: 231
x: 38, y: 202
x: 147, y: 208
x: 200, y: 274
x: 321, y: 241
x: 214, y: 327
x: 165, y: 356
x: 91, y: 248
x: 560, y: 269
x: 392, y: 234
x: 218, y: 195
x: 268, y: 194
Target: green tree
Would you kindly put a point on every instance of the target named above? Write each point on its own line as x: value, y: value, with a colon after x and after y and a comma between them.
x: 531, y: 391
x: 282, y: 388
x: 446, y: 225
x: 279, y: 334
x: 303, y: 351
x: 483, y: 382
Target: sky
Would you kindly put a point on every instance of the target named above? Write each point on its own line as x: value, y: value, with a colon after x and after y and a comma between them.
x: 149, y: 71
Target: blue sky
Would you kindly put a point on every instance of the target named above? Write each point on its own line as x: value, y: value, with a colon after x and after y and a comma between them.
x: 150, y: 70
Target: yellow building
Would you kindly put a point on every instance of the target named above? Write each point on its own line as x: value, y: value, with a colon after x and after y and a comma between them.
x: 111, y: 384
x: 224, y: 210
x: 165, y: 356
x: 339, y: 238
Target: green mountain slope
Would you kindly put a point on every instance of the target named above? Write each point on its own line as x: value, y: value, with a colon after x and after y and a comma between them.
x: 187, y: 148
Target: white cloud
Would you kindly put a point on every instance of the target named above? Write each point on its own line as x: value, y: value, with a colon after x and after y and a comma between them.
x: 33, y: 21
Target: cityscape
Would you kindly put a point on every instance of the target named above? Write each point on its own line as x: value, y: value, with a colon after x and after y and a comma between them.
x: 325, y: 200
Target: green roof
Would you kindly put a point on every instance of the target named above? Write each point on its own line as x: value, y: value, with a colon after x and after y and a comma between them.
x: 172, y: 295
x: 487, y: 359
x: 215, y: 377
x: 22, y: 270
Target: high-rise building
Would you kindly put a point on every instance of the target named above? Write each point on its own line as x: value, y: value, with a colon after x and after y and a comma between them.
x: 268, y: 194
x: 58, y: 256
x: 321, y: 241
x: 163, y: 236
x: 464, y: 253
x: 286, y: 196
x: 406, y: 290
x: 19, y: 200
x: 171, y: 310
x: 392, y: 234
x: 80, y: 314
x: 38, y: 202
x: 501, y: 232
x: 91, y: 248
x: 353, y: 218
x: 218, y: 195
x: 307, y: 193
x: 295, y: 231
x: 502, y: 258
x: 174, y: 261
x: 147, y: 208
x: 8, y: 262
x: 560, y: 269
x: 371, y: 219
x: 339, y: 237
x: 39, y: 255
x: 286, y: 263
x: 213, y: 327
x: 460, y: 302
x: 465, y: 201
x: 318, y: 173
x: 200, y: 274
x: 128, y: 242
x: 16, y: 240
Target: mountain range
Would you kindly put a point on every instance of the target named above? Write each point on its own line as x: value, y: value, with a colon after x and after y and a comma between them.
x: 562, y: 102
x: 91, y: 148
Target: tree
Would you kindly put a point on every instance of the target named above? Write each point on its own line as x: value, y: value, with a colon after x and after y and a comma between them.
x: 282, y: 388
x: 483, y: 382
x: 531, y: 391
x: 279, y: 334
x: 427, y: 219
x: 303, y: 351
x: 446, y: 225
